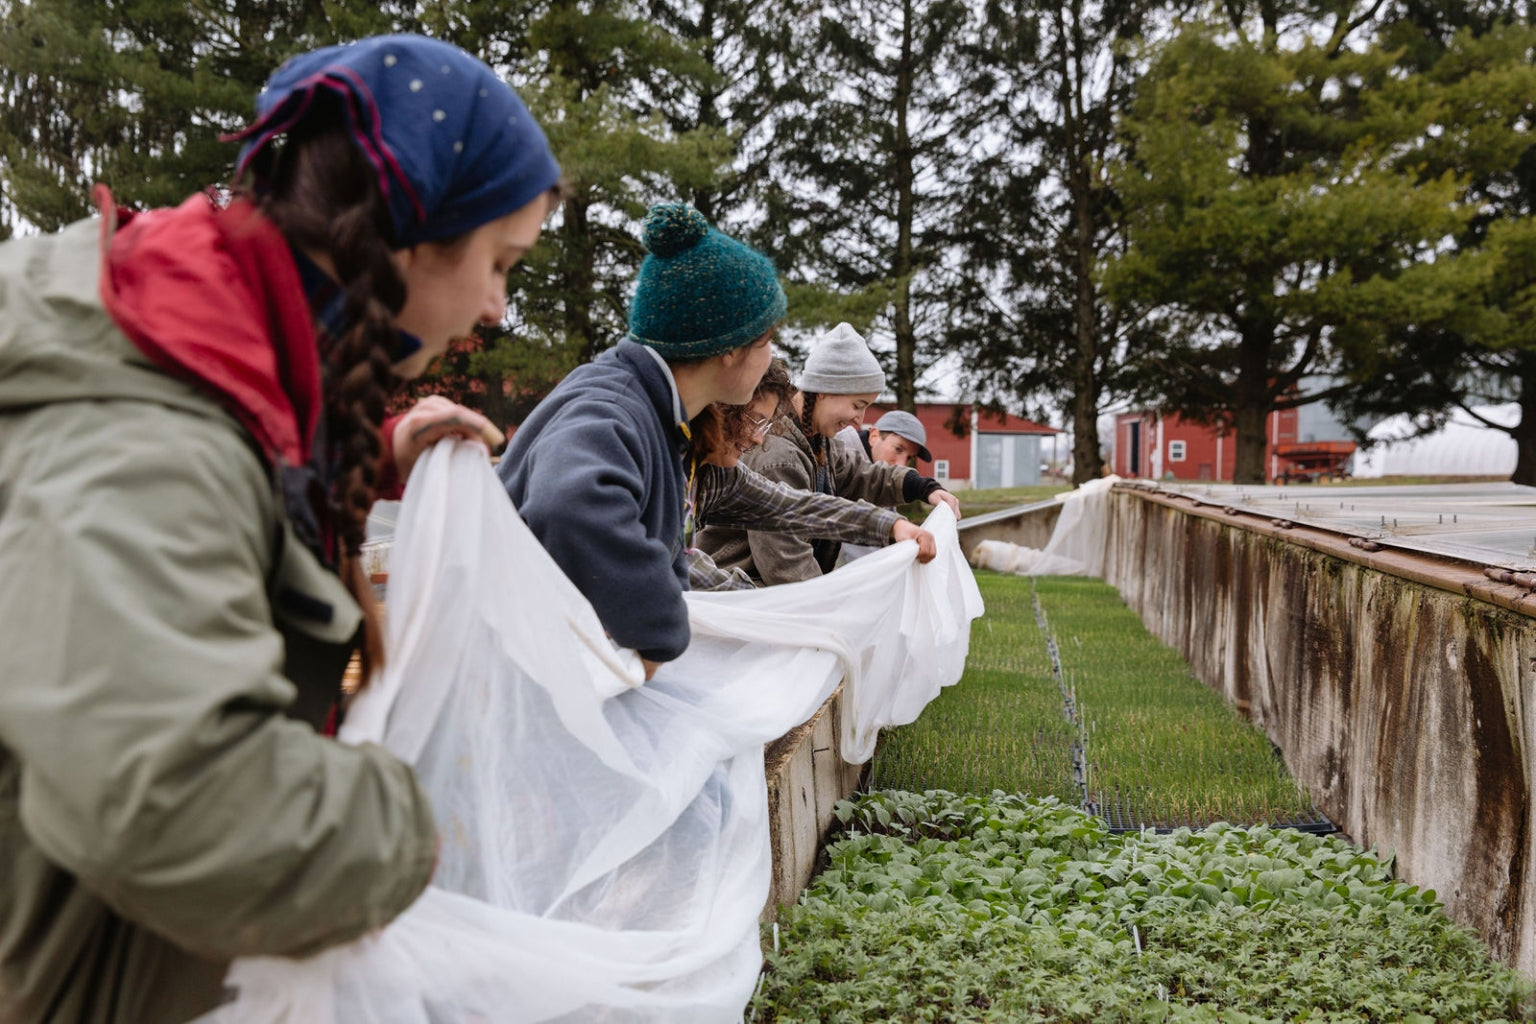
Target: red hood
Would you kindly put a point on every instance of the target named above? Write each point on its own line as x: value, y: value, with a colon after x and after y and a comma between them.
x: 212, y: 296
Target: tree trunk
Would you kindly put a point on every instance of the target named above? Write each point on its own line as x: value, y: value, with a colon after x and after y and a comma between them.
x: 1249, y: 422
x: 1524, y: 433
x: 709, y: 109
x: 1525, y: 445
x: 494, y: 402
x: 1252, y: 401
x: 1087, y: 463
x: 570, y: 59
x: 1253, y: 398
x: 901, y: 269
x: 580, y: 278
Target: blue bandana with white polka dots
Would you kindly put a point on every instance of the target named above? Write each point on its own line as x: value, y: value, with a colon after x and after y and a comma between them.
x: 452, y: 145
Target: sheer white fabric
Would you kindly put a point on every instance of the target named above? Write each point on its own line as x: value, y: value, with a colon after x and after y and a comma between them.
x: 605, y: 847
x: 1077, y: 546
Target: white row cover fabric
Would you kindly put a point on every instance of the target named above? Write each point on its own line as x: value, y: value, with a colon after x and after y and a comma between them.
x: 380, y: 536
x: 1078, y: 543
x: 605, y: 841
x: 1463, y: 447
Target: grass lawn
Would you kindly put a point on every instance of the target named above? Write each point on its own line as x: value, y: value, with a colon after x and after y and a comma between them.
x: 974, y: 503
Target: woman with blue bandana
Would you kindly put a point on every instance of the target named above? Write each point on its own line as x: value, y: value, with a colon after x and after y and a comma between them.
x: 191, y: 433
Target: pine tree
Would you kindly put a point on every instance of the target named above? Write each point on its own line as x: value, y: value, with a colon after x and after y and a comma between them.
x: 592, y: 75
x: 1039, y: 330
x: 1469, y: 341
x: 1277, y: 168
x: 136, y: 94
x: 869, y: 173
x: 755, y: 57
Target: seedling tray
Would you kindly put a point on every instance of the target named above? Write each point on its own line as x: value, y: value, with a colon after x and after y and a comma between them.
x: 1123, y: 816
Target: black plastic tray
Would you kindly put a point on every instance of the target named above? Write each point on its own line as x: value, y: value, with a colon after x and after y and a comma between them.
x: 1122, y: 818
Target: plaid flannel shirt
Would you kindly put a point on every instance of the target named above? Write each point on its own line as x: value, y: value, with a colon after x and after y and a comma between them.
x: 742, y: 499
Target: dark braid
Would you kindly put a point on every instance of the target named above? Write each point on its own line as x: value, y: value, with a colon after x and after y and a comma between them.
x: 324, y: 199
x: 808, y: 427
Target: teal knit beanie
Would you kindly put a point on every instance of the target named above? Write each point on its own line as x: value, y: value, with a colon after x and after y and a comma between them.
x: 700, y: 293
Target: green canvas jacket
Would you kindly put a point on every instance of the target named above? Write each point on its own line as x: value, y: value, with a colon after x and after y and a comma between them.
x: 162, y: 810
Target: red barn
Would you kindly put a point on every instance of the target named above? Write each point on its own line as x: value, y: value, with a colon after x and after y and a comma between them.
x: 972, y: 448
x: 1168, y: 447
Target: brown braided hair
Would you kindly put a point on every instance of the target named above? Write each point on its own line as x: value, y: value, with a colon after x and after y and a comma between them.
x: 808, y: 427
x: 324, y: 199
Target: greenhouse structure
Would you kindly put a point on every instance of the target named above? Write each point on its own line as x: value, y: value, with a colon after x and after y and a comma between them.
x: 1465, y: 446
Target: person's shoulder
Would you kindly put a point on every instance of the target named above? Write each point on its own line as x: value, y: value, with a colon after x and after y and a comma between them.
x: 776, y: 451
x: 150, y: 458
x: 855, y: 442
x: 782, y: 445
x: 599, y: 377
x: 599, y: 392
x: 841, y: 456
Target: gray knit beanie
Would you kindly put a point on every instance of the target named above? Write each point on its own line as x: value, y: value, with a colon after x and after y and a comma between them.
x: 841, y: 363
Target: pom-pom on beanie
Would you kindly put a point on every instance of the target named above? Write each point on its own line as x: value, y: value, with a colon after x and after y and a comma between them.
x: 700, y: 292
x: 841, y: 363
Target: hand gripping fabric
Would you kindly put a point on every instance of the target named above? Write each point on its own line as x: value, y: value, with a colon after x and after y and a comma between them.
x: 605, y: 841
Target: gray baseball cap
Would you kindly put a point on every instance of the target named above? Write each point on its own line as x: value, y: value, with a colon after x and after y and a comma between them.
x: 904, y: 424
